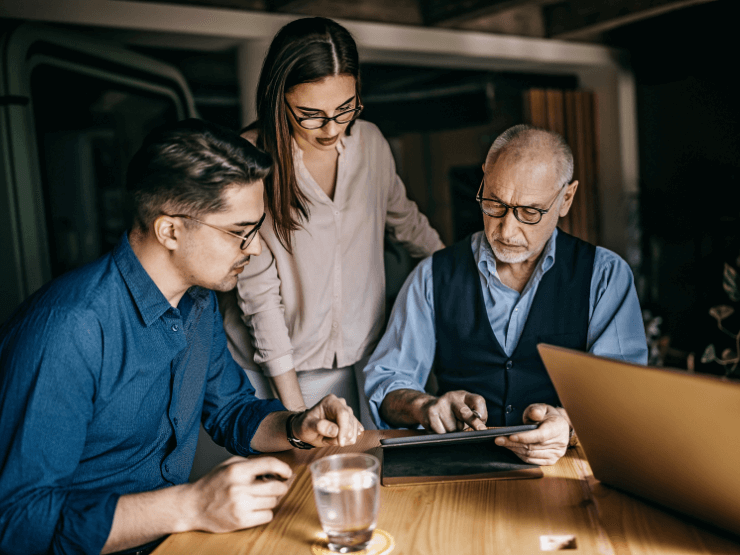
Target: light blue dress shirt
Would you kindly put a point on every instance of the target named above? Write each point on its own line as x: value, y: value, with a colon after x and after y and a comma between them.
x: 404, y: 356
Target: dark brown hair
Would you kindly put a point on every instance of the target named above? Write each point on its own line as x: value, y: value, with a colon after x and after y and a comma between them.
x: 184, y: 167
x: 304, y: 51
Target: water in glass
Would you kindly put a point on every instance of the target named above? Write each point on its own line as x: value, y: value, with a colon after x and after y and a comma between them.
x: 347, y: 501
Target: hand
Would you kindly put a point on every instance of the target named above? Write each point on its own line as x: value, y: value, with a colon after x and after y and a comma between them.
x: 545, y: 445
x: 328, y: 422
x: 452, y: 411
x: 234, y: 494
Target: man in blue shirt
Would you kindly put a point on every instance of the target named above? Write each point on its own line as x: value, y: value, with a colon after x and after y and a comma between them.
x: 107, y: 372
x: 477, y: 309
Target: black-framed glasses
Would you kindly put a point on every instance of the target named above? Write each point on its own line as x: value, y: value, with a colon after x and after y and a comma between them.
x: 317, y: 122
x: 245, y: 239
x: 526, y: 214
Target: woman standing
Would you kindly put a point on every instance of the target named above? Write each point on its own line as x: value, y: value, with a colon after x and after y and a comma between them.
x: 309, y: 310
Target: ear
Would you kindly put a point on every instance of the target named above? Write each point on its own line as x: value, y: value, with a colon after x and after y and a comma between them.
x: 570, y: 192
x: 168, y: 232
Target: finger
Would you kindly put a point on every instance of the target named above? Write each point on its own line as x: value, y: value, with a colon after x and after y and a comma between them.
x: 447, y: 417
x: 469, y: 416
x: 327, y: 429
x: 478, y: 404
x: 258, y: 517
x: 246, y: 470
x: 269, y: 488
x: 347, y: 426
x: 435, y: 423
x: 254, y: 503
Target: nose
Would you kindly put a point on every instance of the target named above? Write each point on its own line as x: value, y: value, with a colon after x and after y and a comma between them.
x: 255, y: 247
x: 509, y: 226
x: 332, y: 128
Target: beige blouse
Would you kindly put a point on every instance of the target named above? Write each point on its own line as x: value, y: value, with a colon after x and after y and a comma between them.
x: 323, y: 306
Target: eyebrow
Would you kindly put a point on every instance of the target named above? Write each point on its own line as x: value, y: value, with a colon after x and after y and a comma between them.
x: 245, y: 224
x: 307, y: 109
x: 535, y: 205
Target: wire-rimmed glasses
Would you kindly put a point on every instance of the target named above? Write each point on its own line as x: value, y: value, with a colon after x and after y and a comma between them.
x: 246, y: 239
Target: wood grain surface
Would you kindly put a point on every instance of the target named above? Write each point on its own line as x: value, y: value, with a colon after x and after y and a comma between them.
x: 476, y: 517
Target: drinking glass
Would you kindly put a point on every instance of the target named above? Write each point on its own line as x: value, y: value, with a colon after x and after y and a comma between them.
x: 347, y: 492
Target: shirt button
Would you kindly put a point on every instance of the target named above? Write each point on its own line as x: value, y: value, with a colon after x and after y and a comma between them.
x: 509, y: 364
x: 175, y: 327
x: 176, y: 421
x: 509, y: 409
x: 334, y: 325
x: 336, y: 212
x: 166, y: 468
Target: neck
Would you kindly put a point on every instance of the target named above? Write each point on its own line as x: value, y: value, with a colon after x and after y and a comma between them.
x: 157, y: 262
x: 516, y: 275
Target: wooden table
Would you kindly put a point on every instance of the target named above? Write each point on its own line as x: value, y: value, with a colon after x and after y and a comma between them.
x: 476, y: 517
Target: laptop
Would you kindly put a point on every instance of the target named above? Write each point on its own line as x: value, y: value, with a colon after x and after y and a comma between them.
x: 665, y: 435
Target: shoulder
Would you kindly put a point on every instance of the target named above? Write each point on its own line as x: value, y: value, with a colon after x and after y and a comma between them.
x: 609, y: 267
x: 419, y: 284
x: 368, y: 136
x: 84, y: 298
x: 460, y: 249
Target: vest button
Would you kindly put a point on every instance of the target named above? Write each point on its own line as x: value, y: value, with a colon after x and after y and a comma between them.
x: 509, y: 364
x: 509, y: 409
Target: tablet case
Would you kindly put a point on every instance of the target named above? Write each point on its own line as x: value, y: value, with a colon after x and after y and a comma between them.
x: 425, y: 464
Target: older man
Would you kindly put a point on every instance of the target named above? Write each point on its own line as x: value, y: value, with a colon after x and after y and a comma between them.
x: 477, y: 309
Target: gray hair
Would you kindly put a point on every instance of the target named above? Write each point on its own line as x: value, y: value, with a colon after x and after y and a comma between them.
x: 523, y: 136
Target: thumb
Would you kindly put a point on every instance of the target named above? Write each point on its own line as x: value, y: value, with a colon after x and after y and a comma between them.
x: 327, y: 428
x: 536, y: 412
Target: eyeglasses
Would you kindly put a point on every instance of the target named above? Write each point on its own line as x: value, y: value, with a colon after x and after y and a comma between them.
x: 317, y: 122
x: 246, y: 239
x: 526, y: 214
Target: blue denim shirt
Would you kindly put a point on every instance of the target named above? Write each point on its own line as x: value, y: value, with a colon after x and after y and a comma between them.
x: 103, y: 385
x: 404, y: 356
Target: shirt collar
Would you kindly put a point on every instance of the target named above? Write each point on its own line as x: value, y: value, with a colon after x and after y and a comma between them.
x: 147, y: 297
x: 487, y: 260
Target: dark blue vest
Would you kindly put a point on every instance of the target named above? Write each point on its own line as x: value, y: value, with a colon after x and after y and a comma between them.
x: 468, y: 355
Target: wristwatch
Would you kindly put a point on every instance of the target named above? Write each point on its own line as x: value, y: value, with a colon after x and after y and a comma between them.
x: 294, y: 441
x: 572, y: 438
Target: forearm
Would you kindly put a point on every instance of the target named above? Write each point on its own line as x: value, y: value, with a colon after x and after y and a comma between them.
x: 402, y: 408
x: 270, y: 435
x: 288, y: 390
x: 144, y: 517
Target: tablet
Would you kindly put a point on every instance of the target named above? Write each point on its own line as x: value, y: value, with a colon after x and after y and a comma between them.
x: 455, y: 437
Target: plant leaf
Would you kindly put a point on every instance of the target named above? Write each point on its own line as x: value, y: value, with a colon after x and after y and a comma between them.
x: 721, y: 312
x: 729, y: 282
x: 728, y: 354
x: 709, y: 355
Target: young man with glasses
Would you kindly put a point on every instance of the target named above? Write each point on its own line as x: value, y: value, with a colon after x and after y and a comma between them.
x: 107, y: 372
x: 478, y: 309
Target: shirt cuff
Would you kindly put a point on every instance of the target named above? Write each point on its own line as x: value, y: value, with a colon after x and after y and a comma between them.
x: 278, y: 366
x: 85, y: 522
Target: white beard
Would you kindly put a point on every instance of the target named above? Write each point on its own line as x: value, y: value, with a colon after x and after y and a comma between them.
x: 510, y: 257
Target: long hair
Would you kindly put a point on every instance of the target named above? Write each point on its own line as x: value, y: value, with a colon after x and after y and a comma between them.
x: 304, y: 51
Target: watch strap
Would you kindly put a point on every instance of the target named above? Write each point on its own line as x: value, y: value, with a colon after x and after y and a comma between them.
x: 294, y: 441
